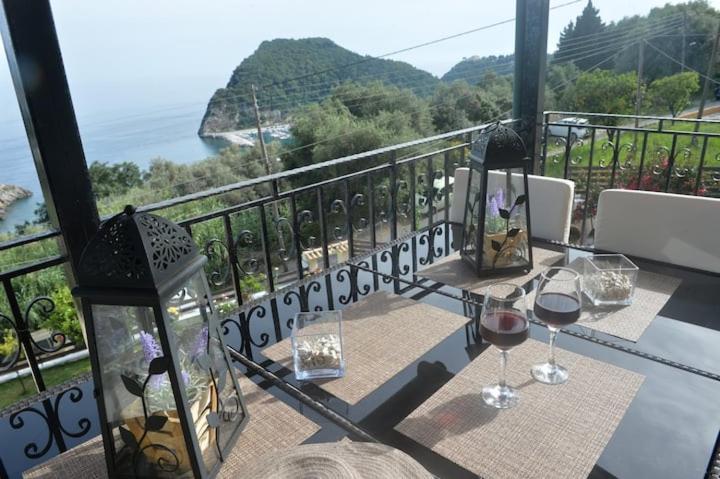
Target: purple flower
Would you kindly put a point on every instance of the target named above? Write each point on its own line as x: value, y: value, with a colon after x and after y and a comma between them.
x: 493, y: 207
x: 151, y: 349
x: 185, y: 377
x: 500, y: 197
x: 200, y: 345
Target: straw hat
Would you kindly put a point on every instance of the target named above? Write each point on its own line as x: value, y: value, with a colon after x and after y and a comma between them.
x: 343, y: 460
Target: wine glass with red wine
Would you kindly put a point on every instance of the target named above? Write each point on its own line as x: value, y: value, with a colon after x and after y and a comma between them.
x: 557, y: 303
x: 504, y: 324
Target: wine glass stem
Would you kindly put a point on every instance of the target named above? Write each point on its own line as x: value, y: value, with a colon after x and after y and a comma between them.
x: 553, y: 335
x: 503, y: 365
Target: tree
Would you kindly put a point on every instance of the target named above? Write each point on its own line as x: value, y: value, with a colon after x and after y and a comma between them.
x: 109, y: 180
x: 576, y: 39
x: 673, y: 92
x: 602, y: 91
x: 459, y: 105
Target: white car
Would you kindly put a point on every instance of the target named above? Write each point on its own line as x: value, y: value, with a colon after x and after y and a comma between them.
x: 576, y: 127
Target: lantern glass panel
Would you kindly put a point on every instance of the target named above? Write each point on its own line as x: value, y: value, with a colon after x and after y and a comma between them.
x: 127, y: 343
x: 472, y: 211
x: 206, y: 374
x: 506, y: 221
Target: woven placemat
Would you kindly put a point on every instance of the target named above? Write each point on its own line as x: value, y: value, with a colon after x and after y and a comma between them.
x: 273, y: 426
x: 652, y: 291
x: 382, y: 335
x: 554, y: 431
x: 453, y: 271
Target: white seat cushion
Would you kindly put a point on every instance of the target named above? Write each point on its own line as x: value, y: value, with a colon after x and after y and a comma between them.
x: 677, y: 229
x: 551, y: 202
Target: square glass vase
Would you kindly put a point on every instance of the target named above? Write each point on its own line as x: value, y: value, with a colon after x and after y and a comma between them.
x: 317, y: 345
x: 609, y: 279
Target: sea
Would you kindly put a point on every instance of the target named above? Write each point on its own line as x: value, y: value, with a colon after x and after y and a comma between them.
x: 113, y: 137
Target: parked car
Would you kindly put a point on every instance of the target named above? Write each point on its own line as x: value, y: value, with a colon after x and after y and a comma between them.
x: 576, y: 127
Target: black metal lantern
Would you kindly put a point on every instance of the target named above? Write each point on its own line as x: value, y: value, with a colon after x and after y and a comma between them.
x: 170, y: 404
x: 496, y: 226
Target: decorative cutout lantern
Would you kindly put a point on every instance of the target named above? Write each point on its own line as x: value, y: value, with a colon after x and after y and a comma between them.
x: 169, y: 401
x: 496, y: 226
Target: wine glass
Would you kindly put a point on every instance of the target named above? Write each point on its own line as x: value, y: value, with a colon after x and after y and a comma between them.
x: 504, y: 324
x: 557, y: 303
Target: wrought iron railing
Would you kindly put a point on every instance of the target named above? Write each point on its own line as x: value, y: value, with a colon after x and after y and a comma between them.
x: 677, y: 155
x: 277, y: 233
x: 268, y: 246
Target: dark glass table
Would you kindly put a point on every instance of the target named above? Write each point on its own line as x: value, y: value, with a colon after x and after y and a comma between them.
x: 669, y: 430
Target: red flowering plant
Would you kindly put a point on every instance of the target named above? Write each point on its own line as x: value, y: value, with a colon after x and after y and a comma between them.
x: 654, y: 178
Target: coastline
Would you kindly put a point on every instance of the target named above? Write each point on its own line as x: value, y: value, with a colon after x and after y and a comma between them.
x: 9, y: 194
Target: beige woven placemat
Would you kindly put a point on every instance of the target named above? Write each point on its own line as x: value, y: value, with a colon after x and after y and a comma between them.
x: 382, y: 335
x: 273, y: 426
x: 554, y: 431
x: 652, y: 291
x: 453, y: 271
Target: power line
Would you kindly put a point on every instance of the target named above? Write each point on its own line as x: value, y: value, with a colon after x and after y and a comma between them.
x: 702, y: 75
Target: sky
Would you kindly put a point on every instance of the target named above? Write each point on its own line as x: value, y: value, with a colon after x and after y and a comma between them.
x: 123, y: 56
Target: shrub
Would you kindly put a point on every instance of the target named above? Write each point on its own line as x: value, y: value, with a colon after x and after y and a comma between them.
x: 64, y: 317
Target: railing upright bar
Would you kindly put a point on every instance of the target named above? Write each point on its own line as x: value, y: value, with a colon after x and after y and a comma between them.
x: 568, y: 145
x: 671, y: 164
x: 413, y: 195
x: 323, y: 227
x: 446, y: 197
x: 430, y: 189
x: 588, y: 185
x: 296, y: 236
x: 349, y: 219
x: 393, y: 196
x: 371, y: 213
x: 266, y: 249
x: 616, y: 155
x: 545, y: 145
x: 233, y: 259
x: 698, y: 179
x: 23, y: 330
x: 642, y: 158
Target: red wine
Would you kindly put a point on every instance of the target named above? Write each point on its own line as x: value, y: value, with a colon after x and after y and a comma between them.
x: 504, y: 329
x: 557, y: 309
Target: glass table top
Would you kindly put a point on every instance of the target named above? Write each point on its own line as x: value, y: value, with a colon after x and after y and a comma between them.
x: 669, y: 430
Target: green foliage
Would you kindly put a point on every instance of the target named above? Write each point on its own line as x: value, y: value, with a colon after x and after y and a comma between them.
x: 473, y: 69
x: 459, y: 105
x: 118, y: 179
x: 64, y: 317
x: 602, y: 91
x: 673, y: 92
x: 276, y: 61
x: 8, y: 345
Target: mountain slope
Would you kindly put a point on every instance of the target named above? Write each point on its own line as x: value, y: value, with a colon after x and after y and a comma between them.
x: 473, y: 69
x: 290, y: 73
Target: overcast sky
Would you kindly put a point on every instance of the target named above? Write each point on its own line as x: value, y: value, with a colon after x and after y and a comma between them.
x: 120, y: 53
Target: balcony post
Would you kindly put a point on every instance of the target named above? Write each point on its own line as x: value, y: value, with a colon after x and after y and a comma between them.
x: 38, y: 74
x: 531, y: 32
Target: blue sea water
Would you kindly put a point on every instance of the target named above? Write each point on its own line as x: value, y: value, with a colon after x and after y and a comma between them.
x: 112, y: 138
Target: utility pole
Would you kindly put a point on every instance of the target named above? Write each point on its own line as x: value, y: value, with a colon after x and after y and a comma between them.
x: 268, y: 168
x: 638, y: 94
x: 684, y: 42
x: 708, y: 76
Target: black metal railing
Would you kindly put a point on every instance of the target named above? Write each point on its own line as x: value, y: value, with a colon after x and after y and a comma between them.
x: 676, y: 155
x: 278, y: 232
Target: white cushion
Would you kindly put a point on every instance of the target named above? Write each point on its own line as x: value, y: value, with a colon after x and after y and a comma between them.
x: 551, y: 202
x: 677, y: 229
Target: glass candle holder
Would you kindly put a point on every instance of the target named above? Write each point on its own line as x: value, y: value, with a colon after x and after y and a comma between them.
x: 609, y: 279
x: 317, y: 345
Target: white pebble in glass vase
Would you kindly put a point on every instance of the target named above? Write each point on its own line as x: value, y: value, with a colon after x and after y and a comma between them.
x: 317, y: 345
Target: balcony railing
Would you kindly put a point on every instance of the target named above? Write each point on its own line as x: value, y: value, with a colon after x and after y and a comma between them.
x: 280, y: 230
x: 651, y: 153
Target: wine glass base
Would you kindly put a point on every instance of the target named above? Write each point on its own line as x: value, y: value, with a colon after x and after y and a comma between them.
x: 501, y: 397
x: 549, y: 373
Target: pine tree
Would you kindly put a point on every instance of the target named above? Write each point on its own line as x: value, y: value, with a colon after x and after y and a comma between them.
x: 576, y: 40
